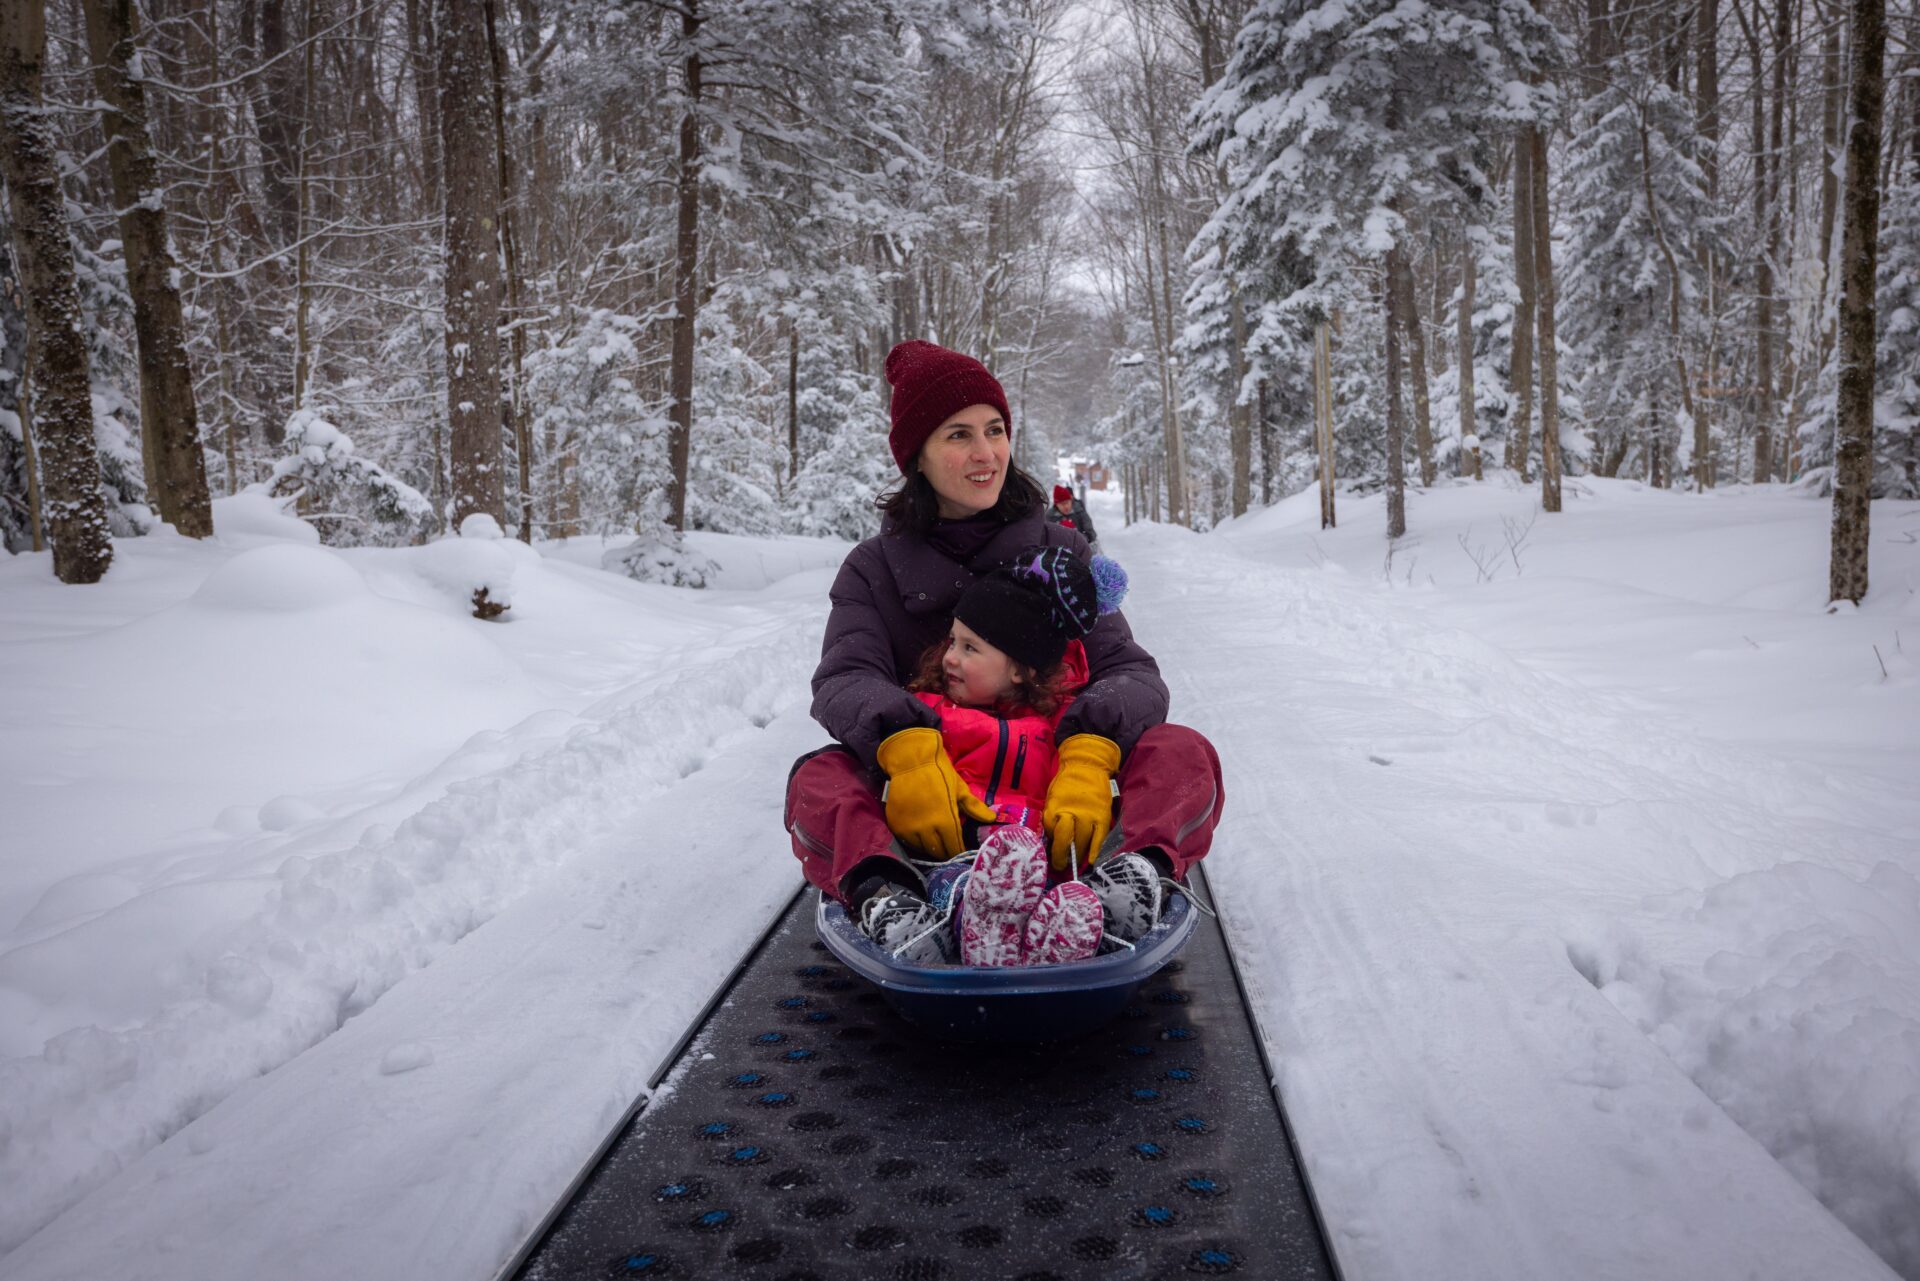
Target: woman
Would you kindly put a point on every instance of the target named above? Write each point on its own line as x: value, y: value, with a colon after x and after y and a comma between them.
x: 885, y: 792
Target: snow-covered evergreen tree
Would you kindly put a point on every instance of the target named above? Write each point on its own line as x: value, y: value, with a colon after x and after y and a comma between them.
x: 1625, y: 332
x: 1339, y: 121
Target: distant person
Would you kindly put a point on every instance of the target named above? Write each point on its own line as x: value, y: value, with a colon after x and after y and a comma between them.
x: 1071, y: 512
x: 1000, y: 681
x: 963, y: 510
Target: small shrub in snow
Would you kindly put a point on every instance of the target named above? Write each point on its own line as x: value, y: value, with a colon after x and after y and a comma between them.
x: 349, y: 499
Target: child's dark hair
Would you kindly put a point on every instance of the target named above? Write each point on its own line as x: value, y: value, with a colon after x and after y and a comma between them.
x: 1039, y: 692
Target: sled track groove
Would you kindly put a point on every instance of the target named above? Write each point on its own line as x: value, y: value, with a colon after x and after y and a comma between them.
x: 810, y: 1134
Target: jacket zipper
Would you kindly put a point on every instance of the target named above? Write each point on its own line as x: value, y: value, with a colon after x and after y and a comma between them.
x: 1019, y: 761
x: 999, y: 759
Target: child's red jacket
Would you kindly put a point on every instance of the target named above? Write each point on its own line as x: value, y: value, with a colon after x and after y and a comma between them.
x: 1007, y: 761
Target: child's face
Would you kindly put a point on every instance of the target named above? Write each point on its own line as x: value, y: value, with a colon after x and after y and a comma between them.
x: 978, y: 675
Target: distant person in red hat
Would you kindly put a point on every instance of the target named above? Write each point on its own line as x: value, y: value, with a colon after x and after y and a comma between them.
x: 874, y: 811
x: 1071, y: 512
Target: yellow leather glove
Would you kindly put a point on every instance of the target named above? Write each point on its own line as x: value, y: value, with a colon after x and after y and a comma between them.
x: 1079, y: 809
x: 925, y: 797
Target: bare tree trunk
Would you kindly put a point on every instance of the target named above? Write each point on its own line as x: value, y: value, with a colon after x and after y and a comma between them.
x: 473, y: 259
x: 519, y: 412
x: 1409, y: 308
x: 1520, y: 428
x: 169, y: 424
x: 1323, y: 417
x: 423, y: 58
x: 275, y: 113
x: 685, y: 273
x: 1764, y: 163
x: 59, y: 393
x: 793, y: 400
x: 1396, y: 426
x: 1859, y: 259
x: 1169, y: 411
x: 303, y: 207
x: 1707, y: 118
x: 1548, y: 349
x: 1239, y: 415
x: 1660, y: 475
x: 1269, y: 449
x: 1469, y: 461
x: 1832, y: 95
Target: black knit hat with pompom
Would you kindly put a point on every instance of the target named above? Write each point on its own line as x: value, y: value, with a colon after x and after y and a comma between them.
x: 1031, y: 608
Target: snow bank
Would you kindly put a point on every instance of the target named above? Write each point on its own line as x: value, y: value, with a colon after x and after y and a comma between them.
x: 292, y: 777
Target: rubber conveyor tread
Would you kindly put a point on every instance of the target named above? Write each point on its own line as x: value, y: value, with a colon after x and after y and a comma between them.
x: 808, y: 1133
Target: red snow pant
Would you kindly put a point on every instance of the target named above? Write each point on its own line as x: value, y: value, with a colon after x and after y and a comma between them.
x: 1170, y: 799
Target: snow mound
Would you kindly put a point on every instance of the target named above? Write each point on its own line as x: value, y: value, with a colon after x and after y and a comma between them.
x: 252, y: 516
x: 282, y: 578
x: 474, y: 560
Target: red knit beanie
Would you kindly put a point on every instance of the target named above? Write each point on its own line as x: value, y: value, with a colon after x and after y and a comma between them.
x: 930, y: 385
x: 1061, y: 494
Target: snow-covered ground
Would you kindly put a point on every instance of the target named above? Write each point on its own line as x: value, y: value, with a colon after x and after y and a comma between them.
x: 1573, y: 864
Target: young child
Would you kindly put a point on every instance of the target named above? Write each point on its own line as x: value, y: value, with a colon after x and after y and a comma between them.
x: 1001, y: 680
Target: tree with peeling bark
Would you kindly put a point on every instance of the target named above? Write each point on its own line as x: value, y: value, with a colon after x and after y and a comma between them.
x: 169, y: 421
x: 58, y: 394
x: 1853, y: 468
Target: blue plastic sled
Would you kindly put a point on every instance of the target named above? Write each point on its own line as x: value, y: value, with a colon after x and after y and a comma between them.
x: 1030, y: 1003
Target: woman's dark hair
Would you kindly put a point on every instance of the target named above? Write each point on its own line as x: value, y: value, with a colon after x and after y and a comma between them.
x: 913, y: 507
x: 1041, y: 692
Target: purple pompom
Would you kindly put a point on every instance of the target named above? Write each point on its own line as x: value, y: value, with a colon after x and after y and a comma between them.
x: 1109, y: 583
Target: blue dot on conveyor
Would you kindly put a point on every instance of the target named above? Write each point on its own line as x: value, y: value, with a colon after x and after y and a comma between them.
x: 774, y: 1099
x: 820, y: 1016
x: 1151, y: 1151
x: 1177, y: 1034
x: 1182, y: 1075
x: 743, y: 1154
x: 1218, y: 1258
x: 748, y: 1078
x: 1157, y: 1215
x: 1196, y: 1125
x: 772, y: 1038
x: 639, y: 1262
x: 1144, y: 1095
x: 795, y: 1056
x: 1202, y: 1185
x: 672, y: 1191
x: 715, y: 1218
x: 1139, y: 1051
x: 716, y: 1127
x: 793, y: 1002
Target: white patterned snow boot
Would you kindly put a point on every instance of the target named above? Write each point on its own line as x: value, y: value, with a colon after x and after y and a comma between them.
x: 908, y: 928
x: 1128, y: 886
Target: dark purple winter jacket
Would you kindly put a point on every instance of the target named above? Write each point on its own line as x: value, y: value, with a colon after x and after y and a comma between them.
x: 894, y: 597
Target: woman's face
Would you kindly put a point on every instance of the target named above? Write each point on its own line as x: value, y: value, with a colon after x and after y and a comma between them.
x: 965, y: 460
x: 978, y: 675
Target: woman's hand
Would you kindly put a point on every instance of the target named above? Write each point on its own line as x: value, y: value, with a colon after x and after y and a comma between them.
x: 1079, y: 809
x: 925, y: 797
